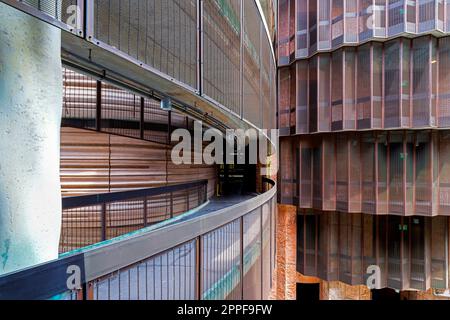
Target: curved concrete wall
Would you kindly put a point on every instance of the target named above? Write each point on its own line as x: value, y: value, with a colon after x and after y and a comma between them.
x: 30, y: 116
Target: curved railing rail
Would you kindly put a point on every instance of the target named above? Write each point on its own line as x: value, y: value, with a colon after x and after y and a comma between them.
x: 93, y: 104
x: 213, y: 256
x: 95, y: 218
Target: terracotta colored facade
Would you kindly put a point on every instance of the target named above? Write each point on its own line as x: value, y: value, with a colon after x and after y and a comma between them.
x: 286, y: 276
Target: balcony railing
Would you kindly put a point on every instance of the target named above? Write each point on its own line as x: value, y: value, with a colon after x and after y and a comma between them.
x: 225, y: 254
x: 95, y: 218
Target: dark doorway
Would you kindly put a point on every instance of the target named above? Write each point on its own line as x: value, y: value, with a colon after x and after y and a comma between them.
x: 237, y: 179
x: 385, y: 295
x: 307, y: 292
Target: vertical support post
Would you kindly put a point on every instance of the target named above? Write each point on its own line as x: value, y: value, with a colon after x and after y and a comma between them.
x: 270, y: 241
x: 83, y: 293
x: 81, y: 18
x: 86, y: 292
x: 171, y: 205
x: 142, y: 118
x: 241, y: 62
x: 200, y: 46
x: 376, y: 209
x: 427, y: 225
x: 402, y: 253
x: 241, y: 255
x: 198, y: 269
x: 98, y: 118
x: 89, y: 20
x: 261, y: 238
x: 169, y: 127
x: 145, y: 212
x: 447, y: 252
x: 103, y: 221
x: 405, y: 163
x: 187, y: 200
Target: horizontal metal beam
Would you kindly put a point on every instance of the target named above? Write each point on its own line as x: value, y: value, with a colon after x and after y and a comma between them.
x: 32, y: 11
x: 40, y: 282
x: 97, y: 199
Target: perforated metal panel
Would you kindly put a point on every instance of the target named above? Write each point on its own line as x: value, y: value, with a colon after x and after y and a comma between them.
x: 167, y: 276
x: 221, y: 263
x: 65, y: 14
x: 159, y: 33
x: 411, y: 252
x: 321, y: 25
x: 252, y: 59
x: 252, y: 256
x: 402, y: 83
x: 222, y: 52
x: 400, y: 172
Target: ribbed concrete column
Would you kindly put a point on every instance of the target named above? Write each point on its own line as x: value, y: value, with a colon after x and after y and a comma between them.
x: 30, y: 116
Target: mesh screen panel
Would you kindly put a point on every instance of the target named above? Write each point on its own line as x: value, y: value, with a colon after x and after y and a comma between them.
x: 320, y: 25
x: 221, y: 52
x: 409, y: 250
x: 401, y: 83
x: 399, y: 172
x: 159, y: 33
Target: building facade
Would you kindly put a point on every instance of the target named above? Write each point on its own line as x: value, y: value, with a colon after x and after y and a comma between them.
x: 363, y: 113
x: 98, y: 88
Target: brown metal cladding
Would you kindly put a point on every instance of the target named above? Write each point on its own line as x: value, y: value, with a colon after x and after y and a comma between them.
x: 410, y: 251
x: 399, y: 84
x: 402, y: 173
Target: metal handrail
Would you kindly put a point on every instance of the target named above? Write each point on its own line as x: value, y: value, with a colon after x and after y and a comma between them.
x: 98, y: 199
x: 49, y: 279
